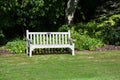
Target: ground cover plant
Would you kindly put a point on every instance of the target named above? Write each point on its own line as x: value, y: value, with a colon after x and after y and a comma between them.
x: 85, y: 65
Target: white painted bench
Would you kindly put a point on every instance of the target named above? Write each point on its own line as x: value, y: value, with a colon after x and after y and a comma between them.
x: 48, y: 40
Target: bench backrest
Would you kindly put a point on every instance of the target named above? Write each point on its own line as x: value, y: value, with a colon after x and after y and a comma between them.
x: 48, y: 38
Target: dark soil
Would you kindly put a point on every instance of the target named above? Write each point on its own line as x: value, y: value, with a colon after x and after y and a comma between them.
x: 104, y: 48
x: 108, y: 47
x: 4, y: 52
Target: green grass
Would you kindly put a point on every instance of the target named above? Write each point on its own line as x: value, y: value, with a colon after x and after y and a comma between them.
x: 84, y: 65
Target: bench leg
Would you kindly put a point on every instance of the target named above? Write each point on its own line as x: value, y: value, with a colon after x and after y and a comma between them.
x: 30, y: 53
x: 73, y: 52
x: 27, y: 50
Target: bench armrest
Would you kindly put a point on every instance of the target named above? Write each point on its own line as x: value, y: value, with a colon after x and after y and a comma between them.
x: 72, y: 41
x: 29, y: 41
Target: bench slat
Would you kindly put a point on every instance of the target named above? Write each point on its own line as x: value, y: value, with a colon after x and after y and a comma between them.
x: 50, y: 38
x: 37, y: 39
x: 48, y: 33
x: 56, y: 39
x: 59, y: 39
x: 47, y: 38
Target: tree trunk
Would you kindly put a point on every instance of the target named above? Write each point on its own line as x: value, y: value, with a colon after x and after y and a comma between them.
x: 70, y: 10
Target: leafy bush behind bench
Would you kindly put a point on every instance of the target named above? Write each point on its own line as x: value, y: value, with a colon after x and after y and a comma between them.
x: 83, y: 40
x: 16, y: 46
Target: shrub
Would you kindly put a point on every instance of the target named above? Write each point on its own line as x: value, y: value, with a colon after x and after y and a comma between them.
x: 88, y: 43
x: 111, y: 35
x: 16, y: 46
x: 111, y: 29
x: 95, y: 33
x: 83, y: 40
x: 64, y: 28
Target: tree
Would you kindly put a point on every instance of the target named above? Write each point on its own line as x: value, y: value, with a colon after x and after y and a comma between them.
x: 108, y: 8
x: 18, y: 15
x: 70, y: 10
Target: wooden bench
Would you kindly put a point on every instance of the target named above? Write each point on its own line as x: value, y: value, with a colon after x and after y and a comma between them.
x: 48, y: 40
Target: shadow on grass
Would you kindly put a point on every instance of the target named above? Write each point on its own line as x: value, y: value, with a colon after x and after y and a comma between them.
x: 52, y: 51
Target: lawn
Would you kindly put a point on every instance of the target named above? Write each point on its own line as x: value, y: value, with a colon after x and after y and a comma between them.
x: 85, y: 65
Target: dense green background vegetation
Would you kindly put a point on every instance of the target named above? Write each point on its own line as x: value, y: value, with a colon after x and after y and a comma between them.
x: 95, y: 22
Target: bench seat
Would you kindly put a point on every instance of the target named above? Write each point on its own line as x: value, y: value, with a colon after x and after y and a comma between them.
x: 51, y: 46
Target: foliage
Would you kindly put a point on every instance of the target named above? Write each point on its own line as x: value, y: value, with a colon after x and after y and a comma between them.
x: 54, y: 11
x: 18, y: 16
x: 112, y: 20
x: 3, y: 39
x: 83, y: 40
x: 88, y: 43
x: 21, y: 12
x: 108, y: 8
x: 17, y: 46
x: 36, y: 15
x: 107, y: 29
x: 110, y: 29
